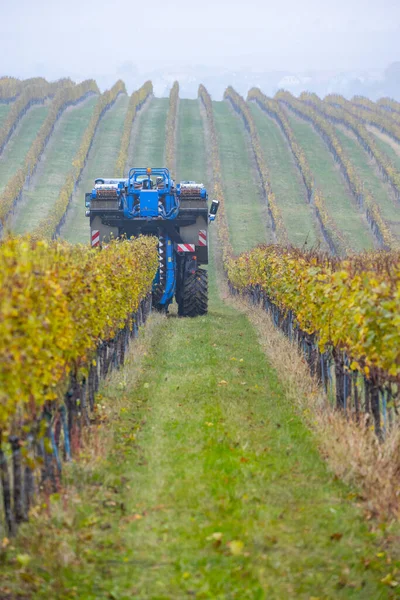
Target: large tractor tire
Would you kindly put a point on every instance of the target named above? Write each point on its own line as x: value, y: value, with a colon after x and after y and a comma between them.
x: 194, y: 299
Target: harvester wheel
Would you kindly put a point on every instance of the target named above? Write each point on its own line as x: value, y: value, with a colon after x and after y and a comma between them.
x: 194, y: 300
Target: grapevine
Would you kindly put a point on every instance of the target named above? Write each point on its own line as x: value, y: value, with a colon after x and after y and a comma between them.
x: 276, y: 217
x: 315, y: 197
x: 135, y: 102
x: 49, y: 227
x: 385, y: 122
x: 68, y: 94
x: 171, y: 128
x: 57, y: 304
x: 365, y: 200
x: 366, y: 139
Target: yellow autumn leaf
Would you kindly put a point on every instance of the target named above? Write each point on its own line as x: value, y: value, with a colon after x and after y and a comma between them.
x: 236, y: 547
x: 23, y: 559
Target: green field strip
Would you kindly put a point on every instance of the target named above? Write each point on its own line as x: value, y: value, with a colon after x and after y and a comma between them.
x: 367, y: 171
x: 286, y: 181
x: 190, y: 144
x: 148, y: 135
x: 246, y: 209
x: 4, y: 110
x: 17, y: 148
x: 101, y: 162
x: 387, y: 145
x: 54, y: 166
x: 329, y: 179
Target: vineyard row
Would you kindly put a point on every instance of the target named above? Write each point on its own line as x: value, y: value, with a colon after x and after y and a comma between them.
x: 66, y: 316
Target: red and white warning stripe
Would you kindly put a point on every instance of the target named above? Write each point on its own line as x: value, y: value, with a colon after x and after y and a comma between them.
x: 186, y: 247
x: 95, y: 237
x: 202, y: 237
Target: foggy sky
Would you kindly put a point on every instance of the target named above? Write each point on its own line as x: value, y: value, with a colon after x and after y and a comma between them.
x: 87, y: 38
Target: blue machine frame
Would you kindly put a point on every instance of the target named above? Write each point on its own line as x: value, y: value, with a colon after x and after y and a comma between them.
x: 145, y: 202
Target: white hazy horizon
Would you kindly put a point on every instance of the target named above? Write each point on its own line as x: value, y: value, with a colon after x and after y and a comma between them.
x: 86, y: 38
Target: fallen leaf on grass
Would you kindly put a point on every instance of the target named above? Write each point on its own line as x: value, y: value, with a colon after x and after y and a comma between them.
x: 135, y: 517
x: 236, y: 547
x: 389, y: 580
x: 23, y: 560
x: 215, y: 536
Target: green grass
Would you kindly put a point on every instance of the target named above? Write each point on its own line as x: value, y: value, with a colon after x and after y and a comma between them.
x: 328, y: 177
x: 286, y: 182
x: 54, y: 166
x: 246, y: 211
x: 148, y: 141
x: 387, y: 148
x: 101, y: 163
x: 17, y: 148
x: 213, y: 488
x: 4, y: 110
x: 191, y: 153
x: 367, y: 171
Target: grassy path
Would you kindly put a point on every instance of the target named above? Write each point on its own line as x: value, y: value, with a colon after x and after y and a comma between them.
x: 101, y: 162
x: 246, y: 210
x: 387, y: 145
x: 286, y: 181
x: 328, y: 177
x: 17, y: 148
x: 367, y: 171
x: 148, y: 135
x: 4, y: 109
x: 191, y: 159
x: 213, y: 488
x: 54, y: 166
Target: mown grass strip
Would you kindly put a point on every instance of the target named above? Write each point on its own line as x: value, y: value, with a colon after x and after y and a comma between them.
x: 101, y: 162
x: 329, y: 179
x: 148, y: 136
x: 53, y: 169
x: 191, y: 160
x: 4, y: 110
x: 17, y: 148
x: 291, y: 195
x: 387, y: 145
x: 246, y: 210
x: 170, y: 130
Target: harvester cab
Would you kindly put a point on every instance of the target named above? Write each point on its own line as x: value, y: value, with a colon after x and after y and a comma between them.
x: 148, y: 202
